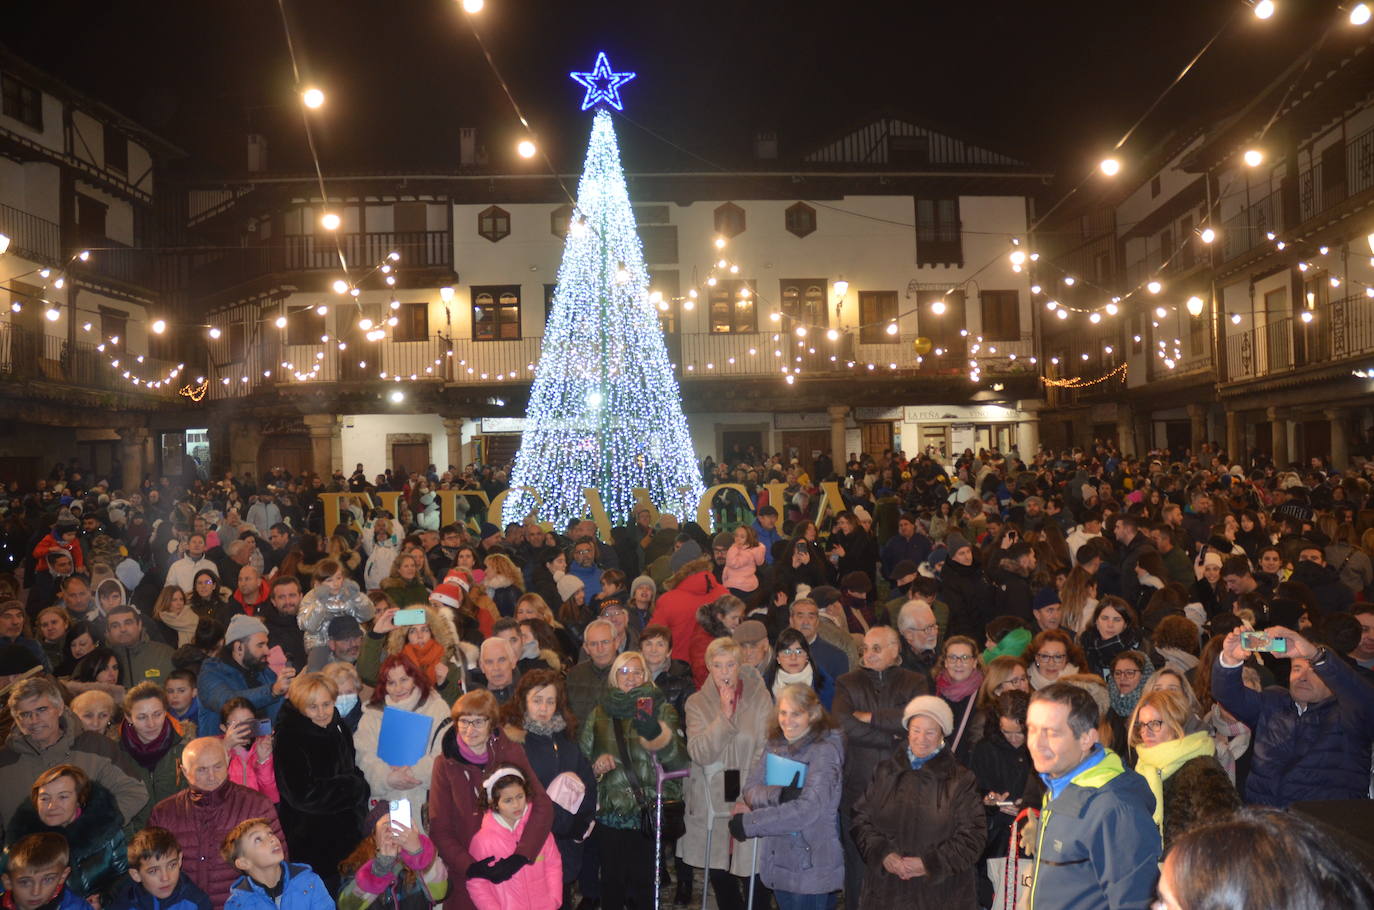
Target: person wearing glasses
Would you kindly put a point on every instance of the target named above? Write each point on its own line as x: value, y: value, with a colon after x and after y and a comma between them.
x: 1190, y: 786
x: 792, y: 665
x: 920, y: 632
x: 1052, y: 655
x: 958, y: 677
x: 1125, y: 686
x: 470, y: 749
x: 632, y: 728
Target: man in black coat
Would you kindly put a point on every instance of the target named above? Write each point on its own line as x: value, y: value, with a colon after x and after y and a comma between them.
x: 1011, y: 582
x: 868, y: 705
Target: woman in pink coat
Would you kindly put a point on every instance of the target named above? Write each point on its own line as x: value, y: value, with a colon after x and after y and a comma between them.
x: 537, y: 885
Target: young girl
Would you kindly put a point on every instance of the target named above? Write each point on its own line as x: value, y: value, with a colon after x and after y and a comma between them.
x: 333, y: 595
x: 536, y: 886
x: 251, y: 763
x: 742, y: 561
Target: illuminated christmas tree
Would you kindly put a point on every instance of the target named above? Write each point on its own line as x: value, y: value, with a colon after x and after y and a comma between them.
x: 605, y: 411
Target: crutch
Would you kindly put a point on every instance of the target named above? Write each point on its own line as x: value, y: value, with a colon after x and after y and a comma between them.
x: 711, y: 816
x: 660, y: 778
x: 753, y: 873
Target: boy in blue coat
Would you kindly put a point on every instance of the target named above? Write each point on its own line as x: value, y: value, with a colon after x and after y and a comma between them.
x: 268, y: 881
x: 155, y: 867
x: 36, y: 877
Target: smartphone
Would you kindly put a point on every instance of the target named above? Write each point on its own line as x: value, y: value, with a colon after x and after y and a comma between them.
x: 1004, y: 803
x: 400, y: 813
x: 731, y: 783
x: 261, y: 727
x: 645, y: 706
x: 415, y: 616
x: 1260, y: 641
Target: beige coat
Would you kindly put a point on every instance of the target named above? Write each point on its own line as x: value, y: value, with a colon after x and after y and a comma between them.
x: 716, y: 744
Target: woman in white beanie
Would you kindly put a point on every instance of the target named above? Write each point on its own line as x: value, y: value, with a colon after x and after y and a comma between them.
x: 921, y: 826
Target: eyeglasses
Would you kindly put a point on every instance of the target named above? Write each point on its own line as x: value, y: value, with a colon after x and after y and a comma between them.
x: 792, y: 652
x: 958, y: 658
x: 630, y: 671
x: 614, y: 611
x: 1051, y: 658
x: 1154, y: 726
x: 1125, y: 674
x: 924, y: 630
x: 473, y: 721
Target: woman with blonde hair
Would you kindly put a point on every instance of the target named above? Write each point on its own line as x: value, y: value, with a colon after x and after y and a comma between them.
x: 1077, y: 601
x: 1003, y: 673
x: 504, y: 582
x: 533, y: 606
x: 433, y: 646
x: 173, y: 618
x: 404, y: 586
x: 1189, y: 784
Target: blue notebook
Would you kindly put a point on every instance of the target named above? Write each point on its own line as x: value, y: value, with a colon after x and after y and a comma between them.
x: 779, y: 771
x: 404, y: 737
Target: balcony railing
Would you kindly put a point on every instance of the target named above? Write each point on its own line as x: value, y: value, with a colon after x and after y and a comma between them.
x: 1251, y: 226
x: 466, y: 362
x: 30, y: 236
x: 1343, y: 328
x: 28, y: 356
x: 1319, y: 190
x: 309, y: 253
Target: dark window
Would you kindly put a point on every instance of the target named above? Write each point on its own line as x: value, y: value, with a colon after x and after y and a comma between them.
x: 1154, y: 187
x: 937, y: 232
x: 304, y: 326
x: 877, y: 309
x: 1333, y: 174
x: 114, y: 324
x: 549, y: 290
x: 22, y: 101
x: 412, y: 323
x: 1001, y: 315
x: 116, y: 150
x: 729, y: 220
x: 496, y: 313
x: 800, y: 219
x: 734, y: 307
x: 409, y: 217
x: 803, y: 300
x: 651, y: 214
x: 238, y: 340
x: 659, y: 242
x: 908, y: 151
x: 493, y: 223
x: 560, y: 219
x: 90, y: 220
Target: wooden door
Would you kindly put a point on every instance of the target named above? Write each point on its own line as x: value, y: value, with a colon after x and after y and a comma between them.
x: 290, y: 452
x: 805, y: 445
x: 877, y: 436
x: 409, y: 457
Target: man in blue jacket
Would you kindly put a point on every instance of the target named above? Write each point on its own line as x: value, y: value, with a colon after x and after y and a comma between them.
x: 240, y: 668
x: 1096, y: 844
x: 766, y: 530
x: 1311, y: 740
x: 909, y: 544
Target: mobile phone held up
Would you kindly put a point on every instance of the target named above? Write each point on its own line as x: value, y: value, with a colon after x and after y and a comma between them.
x: 645, y: 706
x: 399, y: 811
x: 411, y: 617
x: 261, y: 728
x: 1260, y: 641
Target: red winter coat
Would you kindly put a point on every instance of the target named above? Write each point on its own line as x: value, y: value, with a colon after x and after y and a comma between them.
x: 200, y: 819
x: 54, y: 541
x: 677, y: 609
x: 454, y: 816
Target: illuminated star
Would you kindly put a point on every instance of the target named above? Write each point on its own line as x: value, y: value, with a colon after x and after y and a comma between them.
x: 602, y: 84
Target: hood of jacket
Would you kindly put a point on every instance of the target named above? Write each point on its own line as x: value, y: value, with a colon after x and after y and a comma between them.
x: 85, y: 834
x: 702, y: 584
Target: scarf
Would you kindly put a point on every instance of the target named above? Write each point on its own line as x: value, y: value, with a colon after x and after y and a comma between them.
x: 1123, y: 705
x: 805, y: 678
x: 184, y: 624
x: 1039, y: 681
x: 147, y: 754
x: 426, y: 656
x: 1231, y: 737
x: 950, y: 690
x: 409, y: 703
x: 556, y: 724
x: 917, y: 762
x: 471, y: 756
x: 1158, y: 763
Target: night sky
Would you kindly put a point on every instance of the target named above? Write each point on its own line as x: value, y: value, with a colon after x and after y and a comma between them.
x: 1052, y: 82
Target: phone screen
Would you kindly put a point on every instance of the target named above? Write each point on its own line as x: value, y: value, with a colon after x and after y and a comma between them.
x: 400, y: 813
x: 644, y: 705
x: 262, y: 728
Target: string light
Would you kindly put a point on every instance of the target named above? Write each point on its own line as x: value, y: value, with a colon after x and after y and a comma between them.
x: 1360, y: 14
x: 525, y: 148
x: 1253, y: 157
x: 1264, y: 9
x: 1079, y: 382
x: 313, y: 98
x: 1110, y: 166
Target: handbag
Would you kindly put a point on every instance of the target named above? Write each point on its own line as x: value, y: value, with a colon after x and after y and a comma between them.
x: 674, y: 810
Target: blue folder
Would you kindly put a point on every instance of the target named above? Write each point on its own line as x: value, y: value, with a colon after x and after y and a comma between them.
x: 404, y: 737
x: 779, y: 771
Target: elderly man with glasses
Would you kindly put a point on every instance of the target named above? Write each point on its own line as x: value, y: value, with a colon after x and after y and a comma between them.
x: 587, y: 680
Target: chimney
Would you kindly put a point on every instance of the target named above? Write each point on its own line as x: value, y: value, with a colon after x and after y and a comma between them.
x: 766, y: 145
x: 257, y: 153
x: 467, y: 145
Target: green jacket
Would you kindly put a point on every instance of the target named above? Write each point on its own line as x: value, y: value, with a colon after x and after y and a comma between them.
x: 414, y: 594
x: 143, y: 661
x: 616, y: 806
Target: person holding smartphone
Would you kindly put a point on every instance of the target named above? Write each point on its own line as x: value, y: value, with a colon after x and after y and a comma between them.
x: 248, y: 740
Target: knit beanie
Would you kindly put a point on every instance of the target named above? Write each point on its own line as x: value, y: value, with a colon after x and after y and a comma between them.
x: 243, y: 626
x: 932, y: 706
x: 954, y: 542
x: 642, y: 581
x: 569, y: 585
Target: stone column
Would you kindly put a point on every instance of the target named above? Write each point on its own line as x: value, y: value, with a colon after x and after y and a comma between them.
x: 453, y: 429
x: 1278, y: 430
x: 1125, y: 430
x: 1340, y: 437
x: 838, y: 413
x: 324, y: 428
x: 1028, y: 433
x: 1235, y: 439
x: 1197, y: 416
x: 133, y: 456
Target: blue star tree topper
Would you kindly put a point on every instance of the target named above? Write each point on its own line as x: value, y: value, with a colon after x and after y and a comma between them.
x: 603, y: 85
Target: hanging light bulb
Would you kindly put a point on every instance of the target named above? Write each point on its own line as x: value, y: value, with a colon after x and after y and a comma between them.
x: 892, y: 328
x: 1195, y: 305
x: 1062, y: 313
x: 1112, y: 309
x: 1160, y: 312
x: 801, y: 331
x: 1360, y: 14
x: 1110, y: 166
x: 1253, y: 157
x: 1235, y: 319
x: 1208, y: 235
x: 1154, y: 287
x: 1264, y: 9
x: 52, y: 313
x: 1069, y: 280
x: 365, y: 324
x: 330, y: 221
x: 938, y: 307
x: 1018, y: 257
x: 525, y: 148
x: 1095, y: 318
x: 322, y: 310
x: 473, y: 7
x: 340, y: 286
x: 833, y: 335
x: 313, y: 98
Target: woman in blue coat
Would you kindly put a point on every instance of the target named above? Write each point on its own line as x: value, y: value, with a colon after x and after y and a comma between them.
x: 792, y: 663
x: 800, y: 857
x: 538, y: 718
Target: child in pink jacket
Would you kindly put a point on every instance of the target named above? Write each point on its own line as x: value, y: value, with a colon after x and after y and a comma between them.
x: 536, y: 886
x: 742, y: 562
x: 251, y: 763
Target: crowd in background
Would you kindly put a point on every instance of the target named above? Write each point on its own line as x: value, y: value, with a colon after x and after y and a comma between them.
x: 1077, y: 679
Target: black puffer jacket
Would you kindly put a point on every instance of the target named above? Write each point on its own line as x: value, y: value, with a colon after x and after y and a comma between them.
x: 969, y: 595
x: 95, y: 839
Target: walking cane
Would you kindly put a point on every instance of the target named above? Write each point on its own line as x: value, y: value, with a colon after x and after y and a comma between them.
x: 660, y: 778
x: 753, y: 873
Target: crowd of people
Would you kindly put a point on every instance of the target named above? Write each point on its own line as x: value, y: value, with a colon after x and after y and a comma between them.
x: 1077, y: 680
